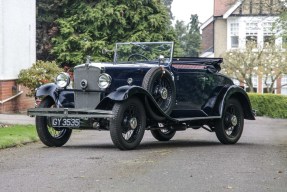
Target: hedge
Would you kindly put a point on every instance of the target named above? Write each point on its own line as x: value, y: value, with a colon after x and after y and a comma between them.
x: 40, y: 73
x: 270, y: 105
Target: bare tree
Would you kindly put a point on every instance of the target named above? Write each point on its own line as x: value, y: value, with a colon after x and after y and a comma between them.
x: 273, y: 65
x: 242, y: 64
x: 269, y: 63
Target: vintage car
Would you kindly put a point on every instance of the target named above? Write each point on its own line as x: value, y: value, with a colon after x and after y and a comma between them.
x: 145, y: 88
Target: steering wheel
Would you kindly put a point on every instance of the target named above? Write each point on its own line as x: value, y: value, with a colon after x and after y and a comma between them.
x: 137, y: 55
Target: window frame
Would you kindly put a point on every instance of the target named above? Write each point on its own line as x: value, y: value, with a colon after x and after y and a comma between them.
x: 234, y: 35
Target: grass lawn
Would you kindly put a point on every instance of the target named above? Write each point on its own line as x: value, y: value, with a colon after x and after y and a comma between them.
x: 15, y: 135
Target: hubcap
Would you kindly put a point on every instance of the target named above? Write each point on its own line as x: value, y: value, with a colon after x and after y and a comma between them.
x: 165, y: 131
x: 163, y: 93
x: 234, y: 120
x: 232, y: 124
x: 133, y: 123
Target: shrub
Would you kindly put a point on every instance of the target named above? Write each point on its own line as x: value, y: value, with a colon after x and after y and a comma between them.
x: 40, y: 73
x: 270, y: 105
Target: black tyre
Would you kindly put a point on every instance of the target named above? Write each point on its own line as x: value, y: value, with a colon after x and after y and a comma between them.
x: 230, y: 127
x: 163, y: 134
x: 159, y: 83
x: 128, y: 125
x: 48, y: 135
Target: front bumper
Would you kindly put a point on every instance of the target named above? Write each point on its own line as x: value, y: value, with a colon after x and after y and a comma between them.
x: 70, y: 112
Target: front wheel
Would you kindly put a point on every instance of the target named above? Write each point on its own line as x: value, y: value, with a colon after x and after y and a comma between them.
x: 230, y: 127
x: 50, y: 136
x: 128, y: 125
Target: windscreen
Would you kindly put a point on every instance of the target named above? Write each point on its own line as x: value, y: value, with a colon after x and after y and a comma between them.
x: 143, y: 52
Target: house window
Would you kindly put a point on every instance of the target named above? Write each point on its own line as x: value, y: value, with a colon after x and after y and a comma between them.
x: 267, y: 83
x: 268, y: 40
x: 284, y: 81
x: 251, y: 32
x: 234, y: 31
x: 284, y: 85
x: 255, y: 81
x: 234, y: 42
x: 268, y: 32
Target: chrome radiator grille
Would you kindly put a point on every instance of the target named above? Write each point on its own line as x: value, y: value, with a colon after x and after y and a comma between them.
x: 90, y: 74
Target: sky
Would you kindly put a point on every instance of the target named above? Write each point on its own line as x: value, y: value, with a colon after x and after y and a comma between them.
x: 182, y: 9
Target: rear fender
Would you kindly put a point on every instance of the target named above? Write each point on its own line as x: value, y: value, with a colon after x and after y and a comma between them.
x: 235, y: 92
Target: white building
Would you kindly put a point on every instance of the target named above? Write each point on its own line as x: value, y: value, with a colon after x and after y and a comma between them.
x: 17, y: 50
x: 235, y: 22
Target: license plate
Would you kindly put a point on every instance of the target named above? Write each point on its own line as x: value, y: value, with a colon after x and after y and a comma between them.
x: 65, y: 122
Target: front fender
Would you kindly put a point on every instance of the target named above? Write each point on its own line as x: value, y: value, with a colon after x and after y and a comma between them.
x: 63, y: 98
x: 125, y: 92
x: 49, y: 89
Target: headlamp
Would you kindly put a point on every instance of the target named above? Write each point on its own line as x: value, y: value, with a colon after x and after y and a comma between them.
x: 63, y: 80
x: 104, y: 80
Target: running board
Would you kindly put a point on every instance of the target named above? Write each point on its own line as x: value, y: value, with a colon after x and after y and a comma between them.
x: 195, y: 118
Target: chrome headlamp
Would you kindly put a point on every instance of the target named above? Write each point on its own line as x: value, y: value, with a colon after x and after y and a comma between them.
x: 104, y: 80
x: 63, y: 80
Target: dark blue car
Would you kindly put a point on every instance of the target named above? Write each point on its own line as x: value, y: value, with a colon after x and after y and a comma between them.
x: 145, y: 88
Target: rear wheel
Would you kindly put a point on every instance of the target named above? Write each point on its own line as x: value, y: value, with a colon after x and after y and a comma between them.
x: 50, y: 136
x: 230, y: 127
x: 128, y: 125
x: 163, y: 134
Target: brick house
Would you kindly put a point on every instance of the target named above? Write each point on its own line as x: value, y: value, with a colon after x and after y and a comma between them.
x: 235, y: 22
x: 17, y: 51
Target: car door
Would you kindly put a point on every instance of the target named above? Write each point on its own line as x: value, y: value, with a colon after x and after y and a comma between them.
x: 190, y: 86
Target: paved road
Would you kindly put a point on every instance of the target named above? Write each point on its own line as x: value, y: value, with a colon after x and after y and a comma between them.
x: 16, y: 119
x: 193, y: 161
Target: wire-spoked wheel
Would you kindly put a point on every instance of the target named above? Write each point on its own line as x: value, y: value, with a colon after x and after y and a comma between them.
x: 230, y: 127
x: 159, y: 83
x: 52, y: 137
x: 128, y: 125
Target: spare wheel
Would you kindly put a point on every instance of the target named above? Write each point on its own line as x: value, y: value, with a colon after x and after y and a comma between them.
x: 159, y: 83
